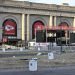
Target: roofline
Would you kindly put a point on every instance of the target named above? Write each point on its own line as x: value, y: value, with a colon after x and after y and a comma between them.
x: 38, y: 6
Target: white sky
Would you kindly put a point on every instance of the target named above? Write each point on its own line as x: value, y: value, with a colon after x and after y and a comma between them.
x: 70, y: 2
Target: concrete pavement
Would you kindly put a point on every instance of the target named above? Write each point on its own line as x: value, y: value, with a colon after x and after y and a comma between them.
x: 49, y: 71
x: 21, y: 62
x: 19, y: 59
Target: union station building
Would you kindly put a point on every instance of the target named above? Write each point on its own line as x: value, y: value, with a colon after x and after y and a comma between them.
x: 19, y: 19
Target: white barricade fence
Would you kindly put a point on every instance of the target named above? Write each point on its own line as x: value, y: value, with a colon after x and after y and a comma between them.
x: 42, y: 46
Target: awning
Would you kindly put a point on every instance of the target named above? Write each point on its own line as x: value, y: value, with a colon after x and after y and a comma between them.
x: 57, y: 28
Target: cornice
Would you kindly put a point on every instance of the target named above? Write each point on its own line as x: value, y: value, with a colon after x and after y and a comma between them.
x: 37, y: 6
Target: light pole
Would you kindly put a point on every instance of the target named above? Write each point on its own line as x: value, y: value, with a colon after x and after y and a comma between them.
x: 61, y: 35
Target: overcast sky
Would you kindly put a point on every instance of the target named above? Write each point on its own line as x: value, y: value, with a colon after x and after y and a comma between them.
x: 70, y: 2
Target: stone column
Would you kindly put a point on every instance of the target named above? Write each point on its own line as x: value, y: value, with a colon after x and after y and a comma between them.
x: 74, y: 24
x: 50, y: 24
x: 50, y: 21
x: 23, y: 26
x: 28, y: 16
x: 23, y: 29
x: 54, y: 20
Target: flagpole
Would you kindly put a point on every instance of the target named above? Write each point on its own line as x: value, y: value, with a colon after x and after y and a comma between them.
x: 46, y: 33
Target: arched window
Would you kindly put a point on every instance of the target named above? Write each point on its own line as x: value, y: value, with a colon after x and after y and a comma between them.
x: 36, y: 25
x: 9, y: 27
x: 64, y: 24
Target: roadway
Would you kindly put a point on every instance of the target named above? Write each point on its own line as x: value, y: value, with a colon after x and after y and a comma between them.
x: 50, y: 71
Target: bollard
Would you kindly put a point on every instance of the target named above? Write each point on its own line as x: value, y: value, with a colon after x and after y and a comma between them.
x: 21, y: 49
x: 33, y: 64
x: 13, y: 56
x: 39, y: 49
x: 39, y: 53
x: 50, y: 55
x: 3, y: 49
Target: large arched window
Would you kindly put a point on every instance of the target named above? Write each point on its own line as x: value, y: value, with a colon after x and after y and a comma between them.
x: 66, y: 26
x: 9, y: 27
x: 37, y: 24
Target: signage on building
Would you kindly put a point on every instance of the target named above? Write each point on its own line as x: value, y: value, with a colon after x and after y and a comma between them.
x: 10, y: 27
x: 12, y: 37
x: 38, y: 25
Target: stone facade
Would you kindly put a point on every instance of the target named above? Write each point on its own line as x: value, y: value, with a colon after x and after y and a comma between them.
x: 26, y: 13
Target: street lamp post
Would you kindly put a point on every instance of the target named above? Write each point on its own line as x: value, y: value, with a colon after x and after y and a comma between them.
x: 61, y: 41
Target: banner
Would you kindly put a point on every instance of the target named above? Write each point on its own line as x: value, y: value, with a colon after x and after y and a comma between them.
x: 10, y: 27
x: 38, y: 25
